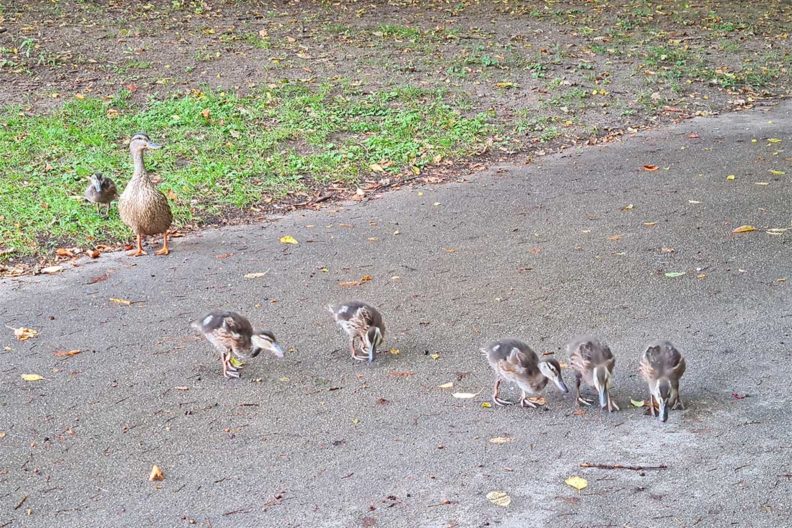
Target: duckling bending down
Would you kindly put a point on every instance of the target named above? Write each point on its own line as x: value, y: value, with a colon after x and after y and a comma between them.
x: 363, y: 324
x: 102, y: 190
x: 515, y: 362
x: 142, y: 206
x: 234, y: 337
x: 662, y: 365
x: 593, y: 362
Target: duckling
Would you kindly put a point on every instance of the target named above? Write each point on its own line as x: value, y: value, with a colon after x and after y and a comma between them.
x: 234, y: 337
x: 361, y: 322
x: 102, y: 190
x: 662, y: 365
x: 593, y: 362
x: 515, y: 362
x: 142, y: 206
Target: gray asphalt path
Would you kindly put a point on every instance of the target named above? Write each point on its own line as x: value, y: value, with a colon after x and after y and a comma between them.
x: 543, y: 252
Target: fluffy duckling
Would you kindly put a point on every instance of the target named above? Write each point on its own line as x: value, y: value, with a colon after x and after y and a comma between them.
x: 142, y: 206
x: 234, y: 337
x: 363, y: 324
x: 593, y: 362
x: 514, y: 361
x: 662, y: 365
x: 102, y: 190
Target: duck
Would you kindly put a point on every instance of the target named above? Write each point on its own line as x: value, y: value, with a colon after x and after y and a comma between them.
x: 662, y: 366
x: 593, y: 362
x: 362, y: 323
x: 233, y: 336
x: 101, y: 190
x: 142, y: 206
x: 514, y: 361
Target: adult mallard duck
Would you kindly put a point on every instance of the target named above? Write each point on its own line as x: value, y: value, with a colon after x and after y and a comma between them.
x: 234, y: 337
x: 662, y: 365
x: 362, y: 323
x: 514, y: 361
x: 593, y: 363
x: 102, y: 190
x: 142, y: 206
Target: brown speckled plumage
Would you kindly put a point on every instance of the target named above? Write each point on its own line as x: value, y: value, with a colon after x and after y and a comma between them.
x: 142, y: 206
x: 102, y: 190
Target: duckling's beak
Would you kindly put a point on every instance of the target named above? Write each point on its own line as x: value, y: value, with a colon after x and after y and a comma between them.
x: 603, y: 397
x: 256, y: 352
x: 561, y: 385
x: 97, y: 184
x: 371, y: 351
x: 663, y: 414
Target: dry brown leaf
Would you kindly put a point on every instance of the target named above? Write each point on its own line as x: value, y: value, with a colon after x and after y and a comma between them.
x: 64, y: 252
x: 49, y: 270
x: 744, y: 229
x: 66, y: 353
x: 650, y: 168
x: 614, y: 237
x: 23, y: 334
x: 537, y: 400
x: 401, y: 373
x: 156, y: 474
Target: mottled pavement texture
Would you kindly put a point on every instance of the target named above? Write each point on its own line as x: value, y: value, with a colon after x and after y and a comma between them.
x: 542, y: 252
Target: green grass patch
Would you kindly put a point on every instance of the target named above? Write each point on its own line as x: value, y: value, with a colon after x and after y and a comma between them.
x: 222, y: 152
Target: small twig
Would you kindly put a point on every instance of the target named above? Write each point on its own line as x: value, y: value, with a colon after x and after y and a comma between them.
x: 619, y: 466
x: 237, y: 511
x: 21, y: 502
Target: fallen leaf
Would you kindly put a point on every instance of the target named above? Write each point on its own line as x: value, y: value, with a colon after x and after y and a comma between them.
x: 95, y: 253
x: 576, y: 482
x: 537, y: 400
x: 693, y: 135
x: 499, y: 498
x: 505, y: 84
x: 283, y: 379
x: 694, y: 202
x: 255, y: 274
x: 394, y: 351
x: 156, y: 474
x: 446, y: 385
x: 206, y: 113
x: 376, y: 167
x: 465, y: 395
x: 125, y: 302
x: 67, y: 353
x: 365, y: 278
x: 628, y: 207
x: 738, y: 396
x: 99, y: 278
x: 650, y: 168
x: 63, y: 252
x: 674, y: 274
x: 288, y: 239
x: 744, y: 229
x: 2, y: 434
x: 23, y: 334
x: 401, y: 373
x: 774, y: 140
x: 501, y: 440
x: 636, y: 403
x: 435, y: 356
x: 235, y: 362
x: 667, y: 250
x: 730, y: 177
x: 761, y: 183
x: 486, y: 405
x: 776, y: 230
x: 52, y: 269
x: 649, y: 224
x: 182, y: 388
x: 32, y: 377
x: 777, y: 172
x: 614, y: 237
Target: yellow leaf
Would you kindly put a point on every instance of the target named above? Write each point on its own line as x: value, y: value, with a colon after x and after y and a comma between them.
x: 376, y: 167
x: 288, y: 239
x: 777, y: 172
x: 744, y: 229
x: 499, y: 498
x: 500, y: 440
x: 284, y: 379
x: 435, y: 356
x: 576, y: 482
x: 486, y: 405
x: 23, y: 334
x: 394, y: 351
x: 446, y: 385
x: 121, y: 301
x: 636, y: 403
x: 730, y: 177
x: 235, y: 362
x: 774, y: 140
x: 81, y: 97
x: 32, y: 377
x: 156, y: 474
x: 505, y: 84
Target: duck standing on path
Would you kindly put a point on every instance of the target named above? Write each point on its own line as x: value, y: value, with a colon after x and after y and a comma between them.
x: 593, y: 362
x: 515, y: 362
x: 362, y: 323
x: 142, y: 206
x: 662, y: 365
x: 102, y: 190
x: 234, y: 337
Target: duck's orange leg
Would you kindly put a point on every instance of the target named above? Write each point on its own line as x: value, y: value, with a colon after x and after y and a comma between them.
x: 164, y: 250
x: 139, y: 251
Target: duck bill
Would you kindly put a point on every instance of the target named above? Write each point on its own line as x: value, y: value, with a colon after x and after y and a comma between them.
x: 663, y: 414
x: 561, y: 385
x: 277, y: 350
x: 153, y: 146
x: 97, y: 185
x: 603, y: 397
x: 371, y: 351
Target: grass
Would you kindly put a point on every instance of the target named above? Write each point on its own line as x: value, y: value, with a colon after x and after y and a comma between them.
x: 222, y: 152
